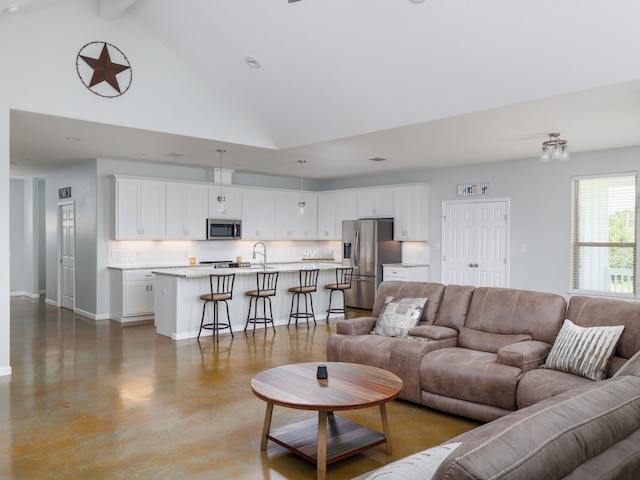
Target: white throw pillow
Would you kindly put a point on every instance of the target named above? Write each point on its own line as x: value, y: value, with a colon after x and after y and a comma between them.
x: 583, y: 351
x: 398, y: 316
x: 419, y: 466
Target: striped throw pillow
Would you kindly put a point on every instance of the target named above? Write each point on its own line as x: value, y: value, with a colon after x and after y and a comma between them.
x: 583, y: 351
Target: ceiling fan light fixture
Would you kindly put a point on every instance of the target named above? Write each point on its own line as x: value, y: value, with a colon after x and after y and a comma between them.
x: 555, y: 148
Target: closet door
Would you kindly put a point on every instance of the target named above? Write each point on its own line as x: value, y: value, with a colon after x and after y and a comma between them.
x: 474, y: 243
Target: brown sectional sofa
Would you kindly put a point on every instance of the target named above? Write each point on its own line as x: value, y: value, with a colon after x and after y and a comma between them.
x: 477, y: 351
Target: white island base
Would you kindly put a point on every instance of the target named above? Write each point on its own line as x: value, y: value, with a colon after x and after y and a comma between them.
x: 178, y: 308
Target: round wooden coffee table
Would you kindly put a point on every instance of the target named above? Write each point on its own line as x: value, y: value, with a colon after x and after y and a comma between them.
x: 349, y: 386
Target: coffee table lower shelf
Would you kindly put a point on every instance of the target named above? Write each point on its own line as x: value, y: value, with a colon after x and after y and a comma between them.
x: 344, y: 438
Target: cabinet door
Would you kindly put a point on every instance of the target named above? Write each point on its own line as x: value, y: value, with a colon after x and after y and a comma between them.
x: 375, y: 202
x: 152, y: 210
x: 289, y: 223
x: 257, y: 214
x: 232, y: 203
x: 346, y: 209
x: 127, y: 209
x: 411, y: 213
x: 140, y: 210
x: 186, y: 211
x: 327, y: 220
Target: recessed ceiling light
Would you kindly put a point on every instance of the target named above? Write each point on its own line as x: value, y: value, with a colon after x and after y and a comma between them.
x: 177, y: 154
x: 12, y: 8
x: 416, y: 1
x: 139, y: 154
x: 378, y: 159
x: 252, y: 62
x: 73, y: 139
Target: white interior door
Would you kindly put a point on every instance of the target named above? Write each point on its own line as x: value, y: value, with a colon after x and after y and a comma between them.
x: 475, y: 243
x: 67, y: 247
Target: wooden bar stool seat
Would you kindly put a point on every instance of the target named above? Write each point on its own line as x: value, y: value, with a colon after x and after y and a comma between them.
x: 306, y: 286
x: 221, y: 290
x: 342, y: 283
x: 266, y: 283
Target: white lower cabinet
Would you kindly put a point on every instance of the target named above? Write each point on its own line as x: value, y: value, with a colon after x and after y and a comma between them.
x: 132, y: 294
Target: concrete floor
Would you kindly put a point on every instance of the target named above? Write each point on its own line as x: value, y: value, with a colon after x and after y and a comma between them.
x: 101, y: 400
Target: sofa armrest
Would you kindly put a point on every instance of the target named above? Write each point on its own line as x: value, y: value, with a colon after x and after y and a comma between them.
x: 356, y: 326
x: 432, y: 332
x: 526, y: 355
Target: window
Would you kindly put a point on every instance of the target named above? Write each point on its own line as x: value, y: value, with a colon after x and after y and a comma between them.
x: 604, y: 234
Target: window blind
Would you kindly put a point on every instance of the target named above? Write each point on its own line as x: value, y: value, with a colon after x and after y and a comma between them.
x: 604, y: 234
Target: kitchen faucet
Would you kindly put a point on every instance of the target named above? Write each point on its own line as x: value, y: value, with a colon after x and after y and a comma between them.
x: 263, y: 253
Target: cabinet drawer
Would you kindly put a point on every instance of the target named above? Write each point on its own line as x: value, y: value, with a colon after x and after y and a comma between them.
x: 391, y: 273
x: 138, y: 275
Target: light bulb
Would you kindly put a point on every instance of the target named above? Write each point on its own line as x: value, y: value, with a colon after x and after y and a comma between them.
x: 221, y: 203
x: 301, y: 206
x: 564, y: 154
x: 556, y: 153
x: 545, y: 155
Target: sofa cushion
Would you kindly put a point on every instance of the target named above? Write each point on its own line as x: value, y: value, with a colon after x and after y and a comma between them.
x: 510, y: 311
x: 599, y: 311
x: 583, y: 351
x: 486, y: 341
x: 540, y: 384
x: 470, y: 375
x: 398, y: 316
x: 526, y: 355
x: 552, y: 438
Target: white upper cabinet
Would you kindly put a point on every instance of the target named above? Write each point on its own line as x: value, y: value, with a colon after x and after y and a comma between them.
x: 232, y: 202
x: 289, y: 223
x: 411, y: 213
x: 140, y: 209
x: 186, y: 211
x: 333, y: 208
x: 258, y: 214
x: 375, y: 202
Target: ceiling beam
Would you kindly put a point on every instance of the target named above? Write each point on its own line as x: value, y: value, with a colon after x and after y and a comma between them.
x: 110, y: 9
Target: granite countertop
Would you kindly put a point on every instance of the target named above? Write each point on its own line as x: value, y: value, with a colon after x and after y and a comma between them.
x: 205, y: 271
x: 405, y: 265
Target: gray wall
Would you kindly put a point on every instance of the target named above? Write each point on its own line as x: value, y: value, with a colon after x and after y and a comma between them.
x: 539, y: 194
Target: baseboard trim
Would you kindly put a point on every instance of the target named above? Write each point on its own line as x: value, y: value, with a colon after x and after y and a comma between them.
x: 5, y: 371
x: 24, y: 294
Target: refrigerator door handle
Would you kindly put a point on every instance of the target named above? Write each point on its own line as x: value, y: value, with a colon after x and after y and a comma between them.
x: 356, y: 242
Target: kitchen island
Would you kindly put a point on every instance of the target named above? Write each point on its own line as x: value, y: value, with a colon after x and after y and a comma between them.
x: 178, y: 308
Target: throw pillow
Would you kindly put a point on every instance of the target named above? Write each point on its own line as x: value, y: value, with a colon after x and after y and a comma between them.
x: 419, y: 466
x: 398, y: 316
x: 583, y: 351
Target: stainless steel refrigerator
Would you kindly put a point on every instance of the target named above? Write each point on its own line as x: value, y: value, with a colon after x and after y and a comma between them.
x: 366, y: 245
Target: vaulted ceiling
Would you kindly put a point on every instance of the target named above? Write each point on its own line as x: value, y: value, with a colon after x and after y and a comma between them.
x: 422, y: 84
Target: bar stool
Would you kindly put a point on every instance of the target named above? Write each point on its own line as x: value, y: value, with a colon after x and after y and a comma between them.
x: 265, y: 289
x: 222, y: 292
x: 343, y: 282
x: 306, y: 286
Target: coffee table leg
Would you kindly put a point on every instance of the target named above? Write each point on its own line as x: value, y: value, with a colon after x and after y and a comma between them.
x: 385, y: 427
x: 322, y: 445
x: 266, y: 426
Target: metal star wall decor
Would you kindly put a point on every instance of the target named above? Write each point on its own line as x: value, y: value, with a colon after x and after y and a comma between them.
x: 104, y: 69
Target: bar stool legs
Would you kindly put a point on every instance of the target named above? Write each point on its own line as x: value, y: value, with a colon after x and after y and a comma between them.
x: 306, y: 286
x: 265, y: 289
x: 221, y: 290
x: 343, y: 282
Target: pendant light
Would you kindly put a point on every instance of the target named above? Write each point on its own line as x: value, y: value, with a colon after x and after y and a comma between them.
x: 554, y: 149
x: 221, y: 198
x: 301, y: 203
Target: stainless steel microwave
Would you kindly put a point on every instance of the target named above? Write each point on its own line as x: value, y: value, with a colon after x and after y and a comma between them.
x: 224, y: 229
